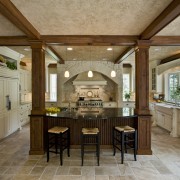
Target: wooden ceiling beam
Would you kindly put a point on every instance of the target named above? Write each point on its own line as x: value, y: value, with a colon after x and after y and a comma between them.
x: 8, y: 9
x: 167, y: 16
x: 85, y: 40
x: 171, y: 58
x: 14, y: 41
x: 124, y: 55
x: 52, y: 52
x: 165, y: 41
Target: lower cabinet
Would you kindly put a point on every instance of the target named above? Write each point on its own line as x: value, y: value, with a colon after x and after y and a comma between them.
x: 24, y: 112
x: 164, y: 117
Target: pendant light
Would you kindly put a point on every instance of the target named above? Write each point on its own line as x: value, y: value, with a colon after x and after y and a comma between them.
x: 90, y: 73
x: 66, y: 74
x: 113, y: 72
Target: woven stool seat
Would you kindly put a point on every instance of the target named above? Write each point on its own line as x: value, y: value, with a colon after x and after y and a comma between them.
x: 125, y: 128
x: 90, y: 130
x: 57, y: 130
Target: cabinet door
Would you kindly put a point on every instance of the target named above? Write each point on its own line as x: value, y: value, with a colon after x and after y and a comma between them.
x: 7, y: 124
x: 14, y: 121
x: 2, y: 120
x: 12, y: 91
x: 168, y: 122
x: 160, y: 119
x: 22, y: 81
x: 2, y: 94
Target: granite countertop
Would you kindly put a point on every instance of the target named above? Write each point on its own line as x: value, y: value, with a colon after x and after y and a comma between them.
x: 95, y: 113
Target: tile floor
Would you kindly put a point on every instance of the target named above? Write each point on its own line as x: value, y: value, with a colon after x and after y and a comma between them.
x: 16, y: 164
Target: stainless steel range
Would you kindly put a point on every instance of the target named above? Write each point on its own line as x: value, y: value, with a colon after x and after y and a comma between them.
x: 90, y: 103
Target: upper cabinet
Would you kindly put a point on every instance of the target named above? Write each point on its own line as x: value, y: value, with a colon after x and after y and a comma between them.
x: 25, y: 81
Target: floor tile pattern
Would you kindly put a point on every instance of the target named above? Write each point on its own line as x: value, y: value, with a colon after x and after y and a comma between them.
x: 17, y: 164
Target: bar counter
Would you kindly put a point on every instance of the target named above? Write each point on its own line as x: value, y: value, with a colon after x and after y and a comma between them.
x: 102, y: 118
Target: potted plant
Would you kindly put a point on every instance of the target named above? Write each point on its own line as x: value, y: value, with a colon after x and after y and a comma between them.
x: 127, y: 96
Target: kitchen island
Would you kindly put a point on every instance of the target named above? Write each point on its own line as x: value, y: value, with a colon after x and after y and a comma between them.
x: 102, y: 118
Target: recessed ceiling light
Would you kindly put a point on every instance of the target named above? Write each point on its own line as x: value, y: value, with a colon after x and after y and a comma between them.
x: 156, y: 49
x: 104, y: 59
x: 74, y: 59
x: 109, y: 49
x: 69, y: 49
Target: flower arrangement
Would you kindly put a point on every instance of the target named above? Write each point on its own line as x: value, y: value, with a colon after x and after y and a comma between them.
x: 52, y: 109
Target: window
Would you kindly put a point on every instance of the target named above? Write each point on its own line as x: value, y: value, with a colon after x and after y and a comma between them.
x: 53, y: 87
x: 154, y: 79
x: 126, y: 84
x: 174, y: 86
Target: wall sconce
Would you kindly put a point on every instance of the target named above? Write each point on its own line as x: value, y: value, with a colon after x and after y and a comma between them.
x: 90, y: 74
x: 66, y: 74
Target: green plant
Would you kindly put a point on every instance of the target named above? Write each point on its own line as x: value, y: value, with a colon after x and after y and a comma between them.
x: 127, y: 95
x: 176, y: 94
x: 11, y: 65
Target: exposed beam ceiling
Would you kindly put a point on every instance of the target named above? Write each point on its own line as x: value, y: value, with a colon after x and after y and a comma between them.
x: 171, y: 58
x: 84, y: 40
x: 8, y: 9
x: 165, y: 41
x: 167, y: 16
x: 54, y: 54
x: 124, y: 55
x: 14, y: 41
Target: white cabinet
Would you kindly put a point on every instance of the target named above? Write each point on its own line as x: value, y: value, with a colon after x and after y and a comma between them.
x: 109, y: 104
x: 2, y: 126
x: 164, y: 117
x: 24, y: 112
x: 25, y: 81
x: 9, y: 102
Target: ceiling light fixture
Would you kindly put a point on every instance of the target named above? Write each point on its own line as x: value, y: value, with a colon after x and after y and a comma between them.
x: 113, y: 72
x: 66, y: 74
x: 90, y: 73
x: 109, y: 49
x: 69, y: 48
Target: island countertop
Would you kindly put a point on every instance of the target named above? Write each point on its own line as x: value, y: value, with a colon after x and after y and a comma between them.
x: 94, y: 113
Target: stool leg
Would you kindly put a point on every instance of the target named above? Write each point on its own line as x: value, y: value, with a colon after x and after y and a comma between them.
x: 135, y: 144
x: 56, y: 143
x: 113, y: 141
x: 125, y: 143
x: 122, y: 147
x: 68, y: 141
x: 82, y: 149
x: 61, y: 150
x: 98, y: 147
x: 47, y: 147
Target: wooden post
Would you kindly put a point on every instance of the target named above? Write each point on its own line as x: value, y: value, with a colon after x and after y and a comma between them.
x: 38, y: 98
x: 142, y: 97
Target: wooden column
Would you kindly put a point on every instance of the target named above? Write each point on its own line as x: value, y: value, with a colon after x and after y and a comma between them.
x: 38, y: 98
x: 142, y: 97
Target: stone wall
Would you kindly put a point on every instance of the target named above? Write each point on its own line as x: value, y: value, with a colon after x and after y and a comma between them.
x: 68, y: 92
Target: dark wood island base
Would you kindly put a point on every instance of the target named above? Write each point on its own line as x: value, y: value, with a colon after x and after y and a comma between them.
x: 76, y: 120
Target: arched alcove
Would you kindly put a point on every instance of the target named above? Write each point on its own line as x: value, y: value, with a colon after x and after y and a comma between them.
x: 113, y: 90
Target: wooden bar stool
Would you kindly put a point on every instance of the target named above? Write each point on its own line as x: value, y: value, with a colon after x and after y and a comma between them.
x: 124, y: 137
x: 58, y: 138
x: 90, y: 137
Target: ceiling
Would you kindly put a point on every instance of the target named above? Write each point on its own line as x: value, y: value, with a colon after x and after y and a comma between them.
x: 91, y: 18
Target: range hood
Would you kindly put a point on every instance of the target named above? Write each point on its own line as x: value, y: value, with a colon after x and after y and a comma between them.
x: 83, y: 79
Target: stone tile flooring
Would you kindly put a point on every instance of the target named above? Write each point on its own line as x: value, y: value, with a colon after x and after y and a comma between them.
x: 16, y: 164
